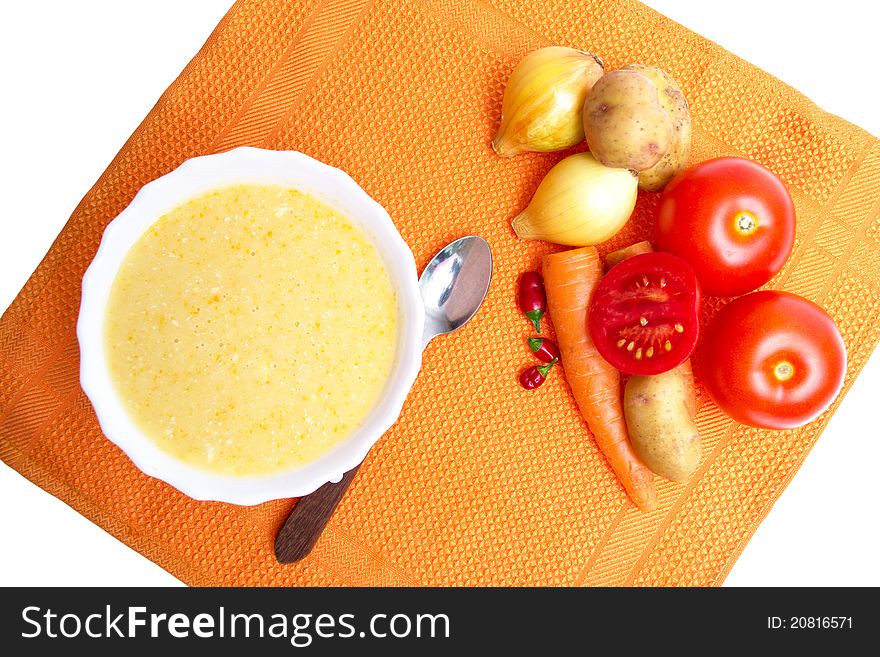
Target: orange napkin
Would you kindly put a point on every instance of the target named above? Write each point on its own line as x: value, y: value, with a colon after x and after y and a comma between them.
x: 479, y: 482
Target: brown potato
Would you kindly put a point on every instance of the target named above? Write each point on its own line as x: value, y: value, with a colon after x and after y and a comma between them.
x: 625, y: 123
x: 674, y: 102
x: 661, y: 429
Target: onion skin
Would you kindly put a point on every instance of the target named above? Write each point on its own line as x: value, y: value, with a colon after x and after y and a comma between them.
x: 580, y: 202
x: 543, y: 101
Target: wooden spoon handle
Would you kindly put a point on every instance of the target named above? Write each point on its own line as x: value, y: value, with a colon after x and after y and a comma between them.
x: 310, y: 515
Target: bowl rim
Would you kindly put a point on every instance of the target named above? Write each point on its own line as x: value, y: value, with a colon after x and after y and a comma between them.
x: 200, y: 174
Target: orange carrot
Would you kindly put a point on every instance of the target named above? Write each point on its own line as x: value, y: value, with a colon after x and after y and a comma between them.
x: 687, y: 372
x: 570, y: 278
x: 616, y: 257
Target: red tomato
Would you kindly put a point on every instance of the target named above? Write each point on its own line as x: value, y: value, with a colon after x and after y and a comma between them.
x: 731, y: 219
x: 773, y: 360
x: 643, y: 317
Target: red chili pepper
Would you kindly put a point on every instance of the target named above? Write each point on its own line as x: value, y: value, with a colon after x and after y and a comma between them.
x: 531, y: 297
x: 534, y: 376
x: 545, y: 350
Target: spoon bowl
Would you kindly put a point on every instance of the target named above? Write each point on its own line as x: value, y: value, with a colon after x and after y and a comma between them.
x: 454, y: 284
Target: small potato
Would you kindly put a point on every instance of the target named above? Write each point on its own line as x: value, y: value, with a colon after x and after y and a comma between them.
x: 661, y: 429
x: 625, y: 123
x: 674, y: 102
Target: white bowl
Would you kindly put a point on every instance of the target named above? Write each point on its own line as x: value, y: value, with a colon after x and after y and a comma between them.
x: 193, y: 177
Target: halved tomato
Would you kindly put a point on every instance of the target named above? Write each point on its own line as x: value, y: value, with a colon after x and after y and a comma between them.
x: 644, y: 315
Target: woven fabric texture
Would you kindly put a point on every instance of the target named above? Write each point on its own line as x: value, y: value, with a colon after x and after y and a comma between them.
x: 479, y: 482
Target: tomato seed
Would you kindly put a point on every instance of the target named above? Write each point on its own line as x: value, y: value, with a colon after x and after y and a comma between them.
x: 668, y: 346
x: 679, y: 328
x: 639, y: 353
x: 650, y: 352
x: 631, y: 346
x: 643, y: 320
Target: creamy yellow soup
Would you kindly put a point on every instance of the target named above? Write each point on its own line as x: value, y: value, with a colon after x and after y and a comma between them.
x: 250, y: 330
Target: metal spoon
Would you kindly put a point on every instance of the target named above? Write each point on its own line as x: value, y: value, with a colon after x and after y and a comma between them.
x: 453, y: 287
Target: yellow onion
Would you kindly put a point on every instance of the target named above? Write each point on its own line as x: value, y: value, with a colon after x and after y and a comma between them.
x: 579, y: 202
x: 544, y: 101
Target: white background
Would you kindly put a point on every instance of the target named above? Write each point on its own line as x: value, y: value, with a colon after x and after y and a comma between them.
x: 78, y: 77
